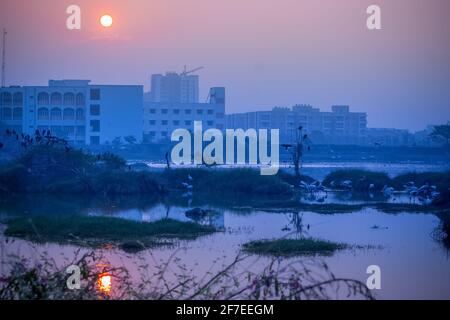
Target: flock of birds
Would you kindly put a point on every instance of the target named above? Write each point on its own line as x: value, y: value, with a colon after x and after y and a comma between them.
x: 189, y: 189
x: 423, y: 193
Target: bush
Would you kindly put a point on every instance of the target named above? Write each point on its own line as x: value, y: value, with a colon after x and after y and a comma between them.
x: 224, y: 181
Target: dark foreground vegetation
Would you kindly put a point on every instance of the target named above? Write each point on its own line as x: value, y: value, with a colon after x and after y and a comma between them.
x: 297, y: 280
x: 99, y: 231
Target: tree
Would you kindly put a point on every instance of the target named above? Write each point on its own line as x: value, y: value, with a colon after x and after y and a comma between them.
x: 117, y: 141
x: 297, y: 149
x: 130, y: 139
x: 441, y: 132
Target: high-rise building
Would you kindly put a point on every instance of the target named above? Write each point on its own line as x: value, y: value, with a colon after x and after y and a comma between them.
x: 76, y: 110
x: 174, y: 88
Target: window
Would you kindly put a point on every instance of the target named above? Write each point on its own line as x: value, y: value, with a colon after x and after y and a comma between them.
x: 219, y: 115
x: 79, y: 99
x: 188, y: 122
x: 152, y: 134
x: 6, y: 99
x: 164, y: 111
x: 95, y: 94
x: 152, y: 122
x: 164, y: 134
x: 80, y: 130
x: 80, y: 114
x: 152, y: 111
x: 164, y: 122
x: 68, y: 114
x: 55, y: 114
x: 56, y: 98
x: 95, y: 140
x: 42, y: 98
x: 210, y: 111
x: 176, y: 122
x: 199, y: 111
x: 95, y: 110
x: 187, y: 111
x: 18, y: 99
x: 43, y: 114
x: 176, y: 111
x: 95, y: 125
x: 7, y: 113
x: 210, y: 123
x: 69, y: 130
x: 17, y: 114
x: 69, y: 99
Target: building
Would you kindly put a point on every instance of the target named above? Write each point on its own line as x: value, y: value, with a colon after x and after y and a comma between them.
x: 340, y: 126
x: 161, y: 118
x: 81, y: 112
x: 174, y: 88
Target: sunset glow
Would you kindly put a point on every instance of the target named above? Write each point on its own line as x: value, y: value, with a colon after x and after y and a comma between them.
x: 104, y: 283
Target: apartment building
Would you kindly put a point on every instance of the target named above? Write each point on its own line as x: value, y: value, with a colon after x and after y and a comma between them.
x: 76, y: 110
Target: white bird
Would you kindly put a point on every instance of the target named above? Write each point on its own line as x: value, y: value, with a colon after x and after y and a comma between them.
x: 388, y: 191
x: 190, y: 177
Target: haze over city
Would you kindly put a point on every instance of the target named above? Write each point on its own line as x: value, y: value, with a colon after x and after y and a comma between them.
x: 266, y: 53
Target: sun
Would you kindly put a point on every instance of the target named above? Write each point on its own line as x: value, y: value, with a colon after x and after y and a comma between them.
x: 106, y: 21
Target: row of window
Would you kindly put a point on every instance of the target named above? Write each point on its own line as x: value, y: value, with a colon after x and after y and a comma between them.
x: 186, y: 111
x: 8, y: 99
x: 64, y: 131
x: 56, y: 98
x: 58, y: 114
x: 177, y: 122
x: 11, y: 113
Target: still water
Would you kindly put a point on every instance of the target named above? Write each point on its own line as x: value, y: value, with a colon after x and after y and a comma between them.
x: 414, y: 264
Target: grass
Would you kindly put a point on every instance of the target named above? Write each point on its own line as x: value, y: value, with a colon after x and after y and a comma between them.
x: 226, y: 182
x: 293, y: 247
x: 97, y: 231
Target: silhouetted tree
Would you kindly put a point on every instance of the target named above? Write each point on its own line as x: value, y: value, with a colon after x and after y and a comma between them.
x: 442, y: 132
x: 130, y: 139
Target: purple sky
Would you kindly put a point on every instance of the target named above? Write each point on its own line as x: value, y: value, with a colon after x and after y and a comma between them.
x: 265, y: 52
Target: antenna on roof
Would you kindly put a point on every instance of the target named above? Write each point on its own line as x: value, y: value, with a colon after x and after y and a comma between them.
x: 3, y: 57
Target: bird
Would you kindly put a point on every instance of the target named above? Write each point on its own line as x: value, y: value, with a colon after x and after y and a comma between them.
x: 388, y: 191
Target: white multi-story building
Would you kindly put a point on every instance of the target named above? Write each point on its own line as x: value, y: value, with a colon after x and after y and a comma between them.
x: 340, y: 126
x: 174, y: 88
x: 81, y: 112
x: 162, y: 118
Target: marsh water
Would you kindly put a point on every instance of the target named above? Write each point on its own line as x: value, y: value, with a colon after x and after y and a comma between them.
x: 414, y: 263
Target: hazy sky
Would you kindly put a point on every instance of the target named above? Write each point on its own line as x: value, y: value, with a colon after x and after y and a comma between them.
x: 265, y: 52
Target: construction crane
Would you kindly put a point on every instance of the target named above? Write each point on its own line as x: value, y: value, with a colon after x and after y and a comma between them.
x: 3, y: 58
x: 185, y: 72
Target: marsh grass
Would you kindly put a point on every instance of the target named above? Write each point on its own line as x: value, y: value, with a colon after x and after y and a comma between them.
x: 98, y: 231
x: 293, y: 247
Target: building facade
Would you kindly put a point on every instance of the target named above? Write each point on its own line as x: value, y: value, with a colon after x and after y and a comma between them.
x: 340, y: 126
x: 174, y: 88
x: 75, y: 110
x: 162, y: 118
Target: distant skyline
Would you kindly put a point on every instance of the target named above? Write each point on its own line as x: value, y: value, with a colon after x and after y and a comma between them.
x: 265, y: 52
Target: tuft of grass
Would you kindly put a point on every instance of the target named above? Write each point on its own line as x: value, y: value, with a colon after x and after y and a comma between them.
x: 101, y: 230
x: 293, y: 247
